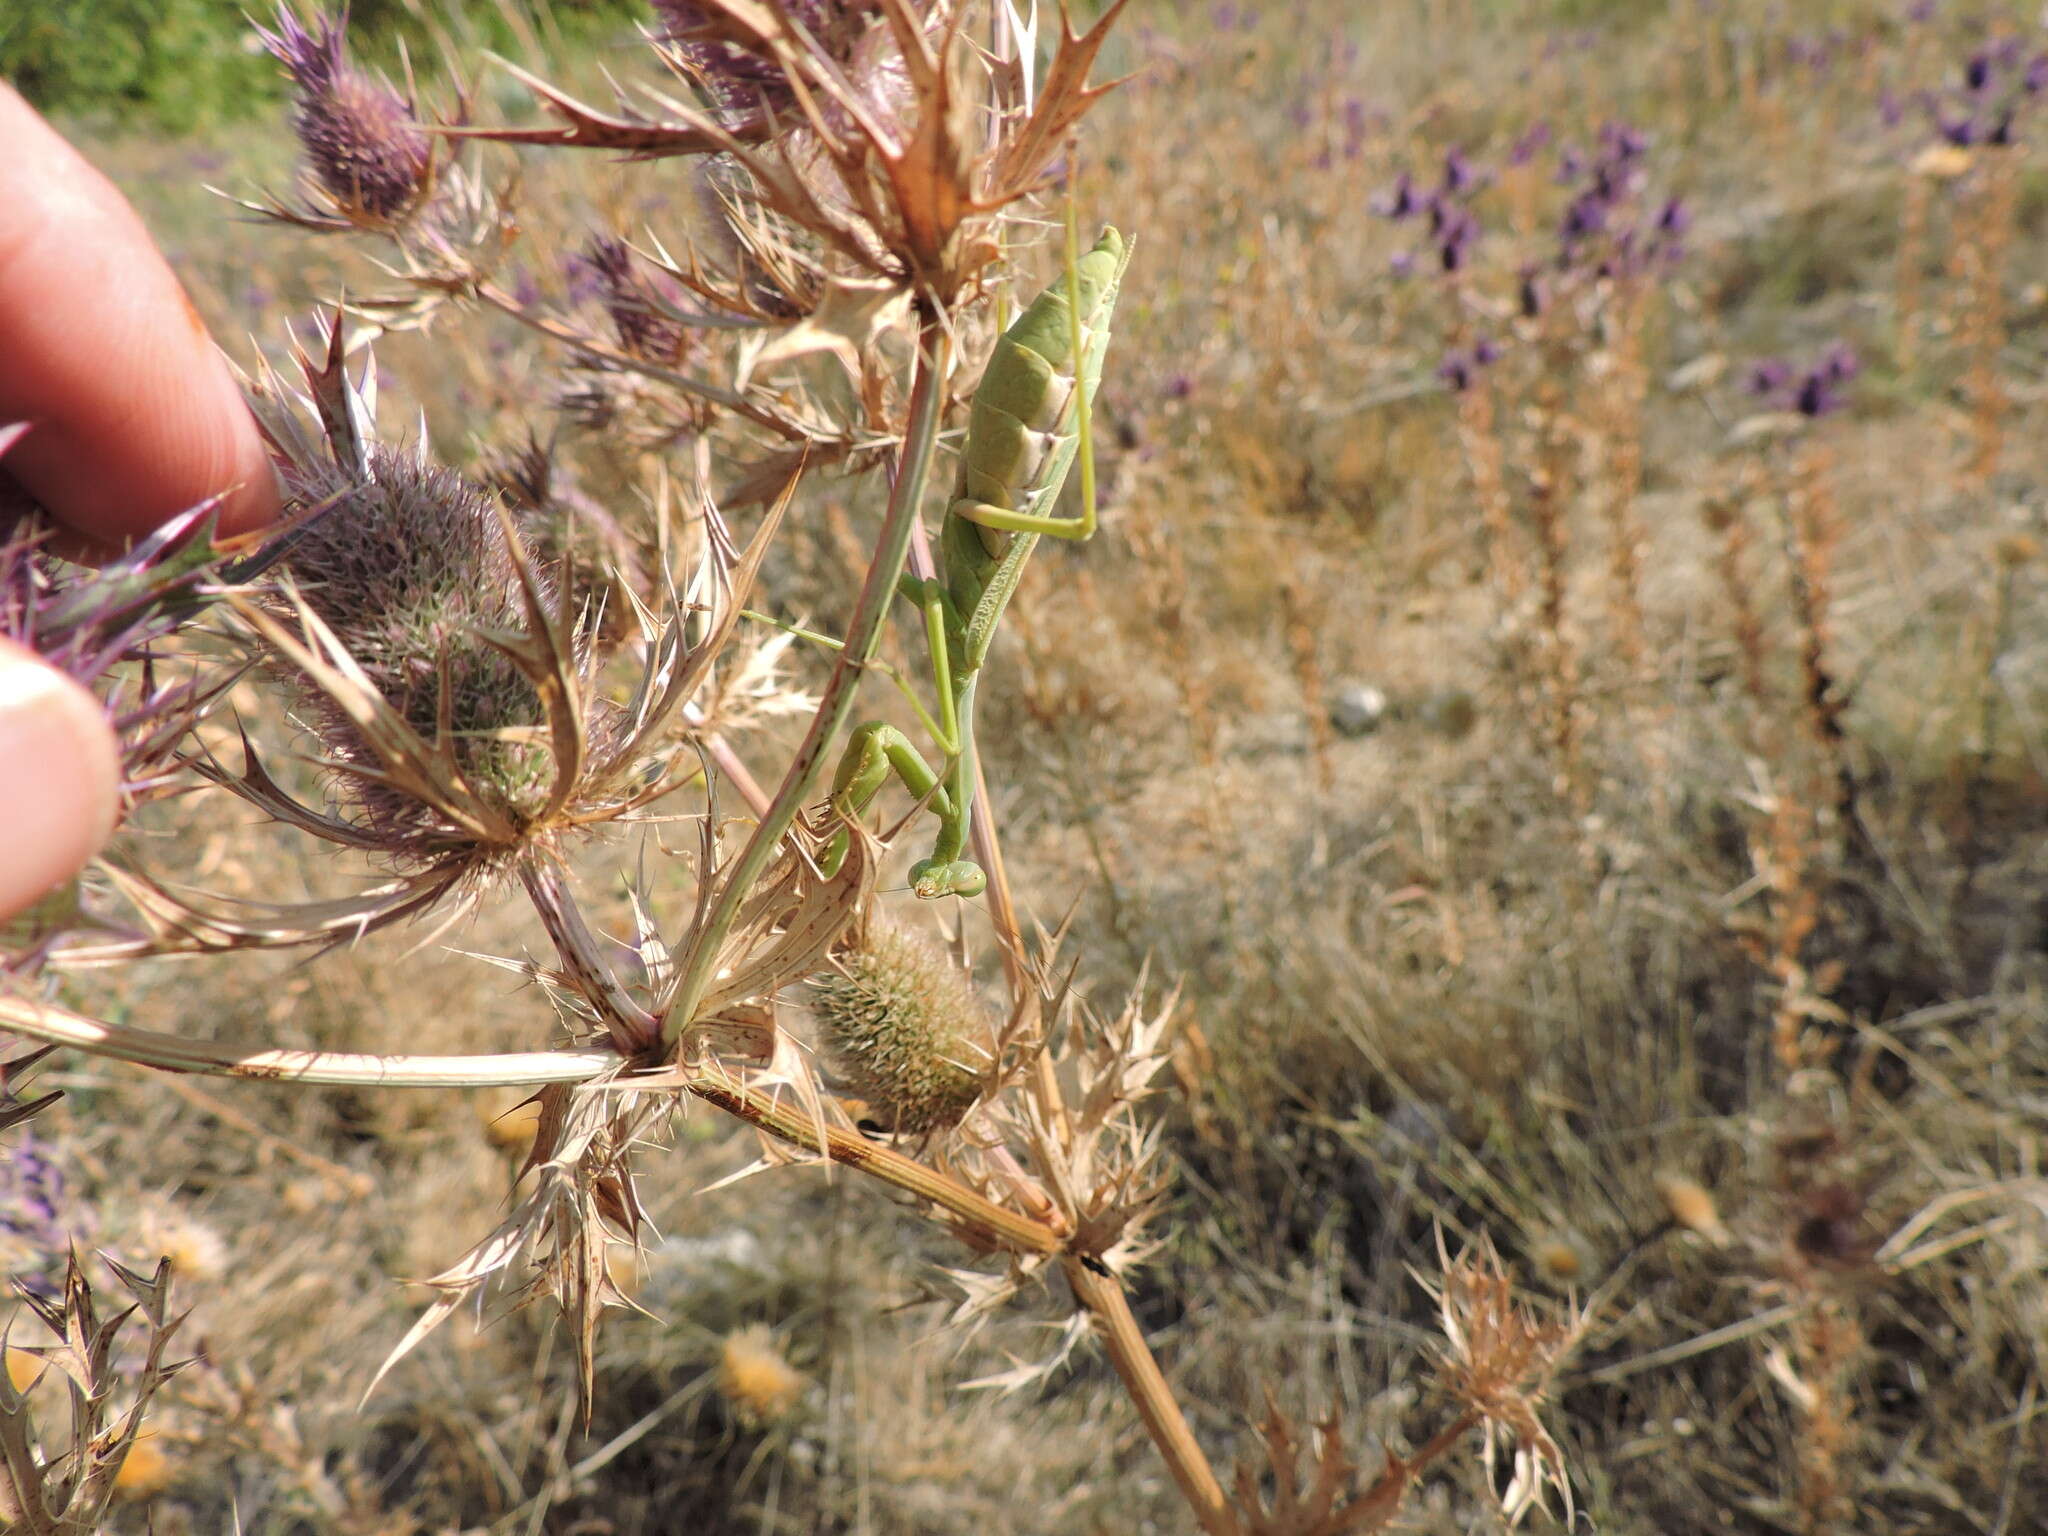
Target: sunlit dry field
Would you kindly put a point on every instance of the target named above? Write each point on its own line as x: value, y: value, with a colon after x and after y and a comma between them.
x: 1556, y: 714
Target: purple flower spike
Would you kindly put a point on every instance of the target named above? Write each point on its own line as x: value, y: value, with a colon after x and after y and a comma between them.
x: 1767, y: 377
x: 1584, y: 217
x: 1459, y: 175
x: 359, y: 134
x: 1529, y: 145
x: 1457, y: 371
x: 1816, y: 397
x: 1399, y: 201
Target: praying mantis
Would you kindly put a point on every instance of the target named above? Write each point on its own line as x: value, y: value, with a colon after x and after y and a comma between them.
x: 1028, y: 421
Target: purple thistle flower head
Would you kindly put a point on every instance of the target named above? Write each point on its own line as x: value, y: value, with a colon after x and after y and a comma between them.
x: 1674, y: 219
x: 641, y: 327
x: 1457, y: 370
x: 1839, y: 363
x: 360, y: 137
x: 2035, y: 80
x: 1977, y: 71
x: 1485, y: 352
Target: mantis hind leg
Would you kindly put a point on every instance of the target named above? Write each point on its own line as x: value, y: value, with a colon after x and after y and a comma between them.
x: 873, y: 752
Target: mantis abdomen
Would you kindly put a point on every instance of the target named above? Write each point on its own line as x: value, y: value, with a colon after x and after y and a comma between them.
x: 1023, y: 427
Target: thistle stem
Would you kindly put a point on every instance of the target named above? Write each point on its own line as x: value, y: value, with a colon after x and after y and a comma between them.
x: 863, y: 638
x: 177, y: 1053
x: 792, y: 1123
x: 1149, y: 1393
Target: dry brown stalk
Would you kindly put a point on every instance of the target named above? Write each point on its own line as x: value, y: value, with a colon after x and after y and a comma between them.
x: 1906, y: 287
x: 1726, y: 516
x: 1982, y: 252
x: 1811, y: 530
x: 1302, y: 627
x: 1484, y: 456
x: 1558, y: 658
x: 1622, y: 431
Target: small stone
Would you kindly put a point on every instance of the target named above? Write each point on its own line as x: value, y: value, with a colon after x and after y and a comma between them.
x: 1356, y: 709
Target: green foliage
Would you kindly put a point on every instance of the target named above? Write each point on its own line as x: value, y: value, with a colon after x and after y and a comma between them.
x: 174, y: 63
x: 181, y: 65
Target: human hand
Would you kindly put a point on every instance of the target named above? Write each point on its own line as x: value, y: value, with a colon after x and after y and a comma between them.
x: 135, y: 418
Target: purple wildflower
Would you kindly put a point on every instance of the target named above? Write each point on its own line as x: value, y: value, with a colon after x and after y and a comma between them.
x: 1399, y: 201
x: 360, y: 137
x: 35, y: 1228
x: 1767, y: 376
x: 1530, y: 144
x: 1812, y: 391
x: 1459, y: 175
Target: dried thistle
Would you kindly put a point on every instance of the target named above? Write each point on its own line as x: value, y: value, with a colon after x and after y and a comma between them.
x: 636, y: 315
x: 66, y: 1492
x: 756, y: 1378
x: 369, y: 163
x: 1497, y: 1361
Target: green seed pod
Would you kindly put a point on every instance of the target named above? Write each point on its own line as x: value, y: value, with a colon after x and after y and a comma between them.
x: 904, y: 1027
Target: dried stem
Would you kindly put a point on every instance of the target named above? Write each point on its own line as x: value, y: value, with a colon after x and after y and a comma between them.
x: 1153, y: 1398
x: 176, y: 1053
x: 835, y: 710
x: 794, y: 1124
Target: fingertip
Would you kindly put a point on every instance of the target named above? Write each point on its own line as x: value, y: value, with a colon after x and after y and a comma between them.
x: 60, y: 778
x: 137, y: 416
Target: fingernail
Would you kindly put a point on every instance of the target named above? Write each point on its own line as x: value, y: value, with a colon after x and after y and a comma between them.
x: 59, y: 779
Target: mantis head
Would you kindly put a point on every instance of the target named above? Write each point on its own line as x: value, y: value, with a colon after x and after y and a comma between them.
x: 962, y: 877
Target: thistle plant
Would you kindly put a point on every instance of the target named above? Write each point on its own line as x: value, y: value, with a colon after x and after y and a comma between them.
x: 54, y: 1484
x: 480, y: 700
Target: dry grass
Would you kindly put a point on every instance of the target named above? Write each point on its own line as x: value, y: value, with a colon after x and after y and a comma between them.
x: 1733, y: 876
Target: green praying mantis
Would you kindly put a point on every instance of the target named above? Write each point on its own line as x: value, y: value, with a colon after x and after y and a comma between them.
x: 1028, y: 421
